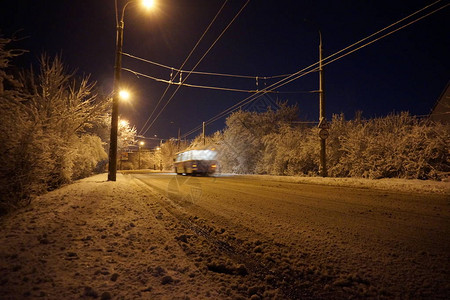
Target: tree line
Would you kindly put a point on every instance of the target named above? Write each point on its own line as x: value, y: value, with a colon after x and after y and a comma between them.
x: 273, y: 142
x: 54, y: 128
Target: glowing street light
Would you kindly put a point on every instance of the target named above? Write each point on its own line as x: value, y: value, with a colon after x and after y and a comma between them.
x: 112, y: 168
x: 148, y: 3
x: 124, y: 123
x: 124, y: 95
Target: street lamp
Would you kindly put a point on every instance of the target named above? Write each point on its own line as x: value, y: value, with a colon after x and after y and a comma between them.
x: 124, y: 123
x: 112, y: 168
x: 124, y: 95
x: 148, y: 3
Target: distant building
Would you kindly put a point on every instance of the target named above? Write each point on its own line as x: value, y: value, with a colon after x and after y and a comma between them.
x: 441, y: 110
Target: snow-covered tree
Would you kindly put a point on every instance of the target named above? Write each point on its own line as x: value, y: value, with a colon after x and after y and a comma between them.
x: 167, y: 153
x: 44, y: 119
x: 291, y: 151
x: 242, y: 148
x: 398, y: 145
x: 126, y: 136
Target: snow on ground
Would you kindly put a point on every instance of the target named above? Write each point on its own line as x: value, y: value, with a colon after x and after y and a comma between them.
x: 133, y: 239
x: 388, y: 184
x: 95, y: 239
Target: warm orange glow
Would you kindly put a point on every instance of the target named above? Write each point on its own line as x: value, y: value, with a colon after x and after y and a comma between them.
x: 148, y: 3
x: 123, y: 123
x: 124, y: 95
x: 141, y: 143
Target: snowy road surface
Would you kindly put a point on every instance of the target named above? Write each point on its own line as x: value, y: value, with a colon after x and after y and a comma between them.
x: 315, y: 240
x: 162, y: 236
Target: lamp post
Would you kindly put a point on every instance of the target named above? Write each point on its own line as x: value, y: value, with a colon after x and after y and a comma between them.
x: 112, y: 167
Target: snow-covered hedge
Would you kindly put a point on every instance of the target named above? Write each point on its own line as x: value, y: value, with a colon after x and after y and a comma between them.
x: 398, y: 145
x: 44, y: 138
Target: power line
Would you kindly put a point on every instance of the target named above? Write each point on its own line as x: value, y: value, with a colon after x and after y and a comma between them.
x: 189, y: 85
x: 185, y: 61
x: 300, y: 74
x: 248, y: 100
x: 201, y: 72
x: 304, y: 71
x: 200, y: 60
x: 377, y: 39
x: 137, y: 74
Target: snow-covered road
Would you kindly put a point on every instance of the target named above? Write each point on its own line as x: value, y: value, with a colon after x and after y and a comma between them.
x: 316, y: 240
x: 162, y: 236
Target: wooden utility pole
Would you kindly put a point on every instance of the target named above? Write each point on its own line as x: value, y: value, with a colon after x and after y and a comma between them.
x: 179, y: 140
x: 204, y: 138
x: 112, y: 166
x: 323, y: 131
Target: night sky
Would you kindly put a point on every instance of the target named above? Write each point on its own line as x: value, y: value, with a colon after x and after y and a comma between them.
x: 406, y: 71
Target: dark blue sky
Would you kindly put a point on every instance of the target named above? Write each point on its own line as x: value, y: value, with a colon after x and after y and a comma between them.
x: 406, y: 71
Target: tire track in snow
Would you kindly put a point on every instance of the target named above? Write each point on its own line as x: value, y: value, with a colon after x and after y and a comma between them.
x: 284, y: 280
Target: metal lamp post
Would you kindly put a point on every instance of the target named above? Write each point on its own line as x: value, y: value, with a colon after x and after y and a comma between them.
x: 112, y: 167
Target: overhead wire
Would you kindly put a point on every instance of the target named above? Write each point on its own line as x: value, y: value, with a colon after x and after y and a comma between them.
x: 303, y: 72
x: 202, y: 72
x: 199, y: 61
x: 189, y: 85
x: 137, y: 74
x: 372, y: 41
x: 299, y: 74
x: 261, y: 77
x: 182, y: 65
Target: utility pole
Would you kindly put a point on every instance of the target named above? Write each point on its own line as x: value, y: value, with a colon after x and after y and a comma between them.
x: 112, y: 167
x: 204, y: 139
x: 140, y: 145
x: 323, y: 125
x: 179, y: 140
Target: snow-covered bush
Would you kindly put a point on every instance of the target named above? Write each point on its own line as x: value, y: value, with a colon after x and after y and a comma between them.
x: 88, y: 152
x: 398, y: 145
x: 44, y: 118
x: 291, y: 151
x: 167, y: 153
x: 242, y: 149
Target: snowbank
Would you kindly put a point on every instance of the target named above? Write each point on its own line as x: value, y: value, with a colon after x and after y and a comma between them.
x: 388, y: 184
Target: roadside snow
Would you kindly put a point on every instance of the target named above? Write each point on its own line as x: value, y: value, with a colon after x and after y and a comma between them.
x: 95, y: 239
x: 387, y: 184
x: 138, y: 239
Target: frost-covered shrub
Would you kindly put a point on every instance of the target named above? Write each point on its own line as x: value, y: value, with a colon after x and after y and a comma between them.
x: 44, y: 118
x: 167, y: 153
x: 292, y: 151
x: 395, y: 146
x: 24, y: 166
x: 398, y: 145
x: 88, y: 153
x: 242, y: 149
